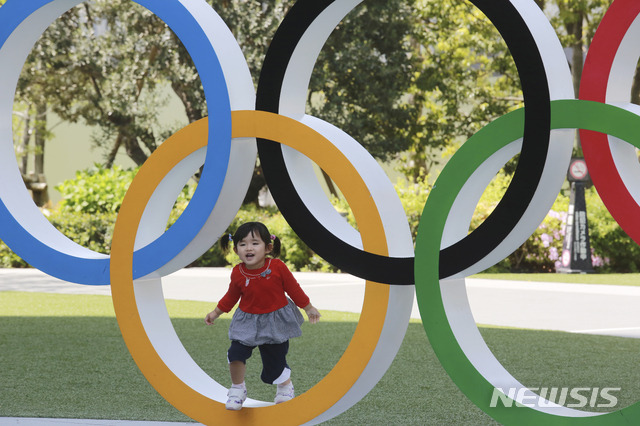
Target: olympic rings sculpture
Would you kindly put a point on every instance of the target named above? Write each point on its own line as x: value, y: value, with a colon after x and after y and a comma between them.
x: 382, y: 252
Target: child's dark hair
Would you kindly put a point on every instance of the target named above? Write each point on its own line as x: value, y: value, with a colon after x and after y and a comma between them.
x: 254, y: 228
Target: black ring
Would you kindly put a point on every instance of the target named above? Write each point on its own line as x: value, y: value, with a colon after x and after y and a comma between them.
x: 480, y: 242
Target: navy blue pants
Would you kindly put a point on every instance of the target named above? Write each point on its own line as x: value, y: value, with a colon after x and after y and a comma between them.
x: 274, y: 359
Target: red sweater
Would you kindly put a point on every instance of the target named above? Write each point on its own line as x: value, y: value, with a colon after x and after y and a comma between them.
x: 263, y: 294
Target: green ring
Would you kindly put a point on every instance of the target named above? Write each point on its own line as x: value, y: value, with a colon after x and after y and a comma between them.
x: 508, y: 128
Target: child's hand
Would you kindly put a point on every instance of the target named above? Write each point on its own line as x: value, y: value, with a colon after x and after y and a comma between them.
x: 312, y: 313
x: 212, y: 316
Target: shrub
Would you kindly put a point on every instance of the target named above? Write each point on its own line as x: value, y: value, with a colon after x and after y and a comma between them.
x: 295, y: 253
x: 413, y: 196
x: 93, y: 231
x: 91, y: 202
x: 615, y: 251
x: 612, y: 249
x: 8, y: 259
x: 541, y: 251
x: 95, y: 190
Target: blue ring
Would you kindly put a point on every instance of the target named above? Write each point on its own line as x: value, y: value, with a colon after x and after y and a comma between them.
x: 153, y: 256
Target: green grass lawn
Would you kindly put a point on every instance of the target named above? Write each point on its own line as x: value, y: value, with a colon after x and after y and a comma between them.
x: 610, y: 279
x: 63, y: 356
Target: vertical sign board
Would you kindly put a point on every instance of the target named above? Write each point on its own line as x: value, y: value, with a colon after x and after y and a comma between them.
x: 576, y: 251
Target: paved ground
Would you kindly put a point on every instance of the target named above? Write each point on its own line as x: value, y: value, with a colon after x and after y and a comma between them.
x: 578, y: 308
x: 594, y: 309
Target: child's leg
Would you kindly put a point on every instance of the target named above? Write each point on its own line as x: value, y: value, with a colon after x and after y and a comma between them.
x: 276, y: 371
x: 274, y: 363
x: 237, y: 356
x: 237, y: 370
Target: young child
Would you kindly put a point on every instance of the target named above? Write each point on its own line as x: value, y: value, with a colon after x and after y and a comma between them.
x: 265, y: 318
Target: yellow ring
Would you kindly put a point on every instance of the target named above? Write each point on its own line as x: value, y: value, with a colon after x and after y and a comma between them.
x: 351, y: 365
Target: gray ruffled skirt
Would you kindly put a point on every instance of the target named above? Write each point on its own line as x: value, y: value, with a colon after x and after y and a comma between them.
x: 270, y: 328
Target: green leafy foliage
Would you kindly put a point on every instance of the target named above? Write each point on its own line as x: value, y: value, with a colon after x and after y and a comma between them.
x: 91, y: 201
x: 413, y: 195
x: 616, y: 251
x: 97, y: 190
x: 109, y: 63
x: 612, y: 249
x: 466, y: 78
x: 541, y: 251
x: 90, y: 230
x: 295, y: 253
x: 8, y: 259
x: 372, y: 45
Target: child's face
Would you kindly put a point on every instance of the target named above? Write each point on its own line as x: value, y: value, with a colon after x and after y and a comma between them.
x: 252, y: 251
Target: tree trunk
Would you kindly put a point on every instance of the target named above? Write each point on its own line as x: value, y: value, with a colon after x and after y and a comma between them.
x: 575, y: 28
x: 635, y: 87
x: 40, y: 188
x: 111, y: 158
x: 41, y: 129
x: 257, y: 183
x: 577, y: 59
x: 132, y: 147
x: 330, y: 185
x: 186, y: 96
x: 23, y: 148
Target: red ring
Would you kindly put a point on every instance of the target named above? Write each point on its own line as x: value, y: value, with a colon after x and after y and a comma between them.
x: 593, y: 86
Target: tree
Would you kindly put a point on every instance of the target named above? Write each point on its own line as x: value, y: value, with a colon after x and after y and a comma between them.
x: 407, y: 79
x: 102, y: 69
x: 467, y: 78
x: 30, y: 134
x: 31, y: 129
x: 363, y: 74
x: 106, y: 61
x: 253, y: 24
x: 576, y: 22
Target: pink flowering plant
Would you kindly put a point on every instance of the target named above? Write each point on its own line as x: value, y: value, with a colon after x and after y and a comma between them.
x: 542, y: 251
x: 90, y: 224
x: 612, y: 249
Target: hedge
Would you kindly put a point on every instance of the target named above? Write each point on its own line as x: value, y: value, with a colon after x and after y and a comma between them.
x: 91, y: 201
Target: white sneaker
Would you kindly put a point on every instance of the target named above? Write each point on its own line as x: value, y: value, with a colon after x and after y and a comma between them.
x: 237, y: 396
x: 284, y: 394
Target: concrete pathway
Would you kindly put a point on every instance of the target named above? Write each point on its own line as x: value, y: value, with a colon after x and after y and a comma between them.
x: 577, y: 308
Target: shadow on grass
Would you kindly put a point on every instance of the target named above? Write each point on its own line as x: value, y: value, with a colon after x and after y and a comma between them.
x: 79, y: 367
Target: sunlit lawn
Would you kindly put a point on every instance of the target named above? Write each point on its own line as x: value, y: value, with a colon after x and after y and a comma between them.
x: 610, y: 279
